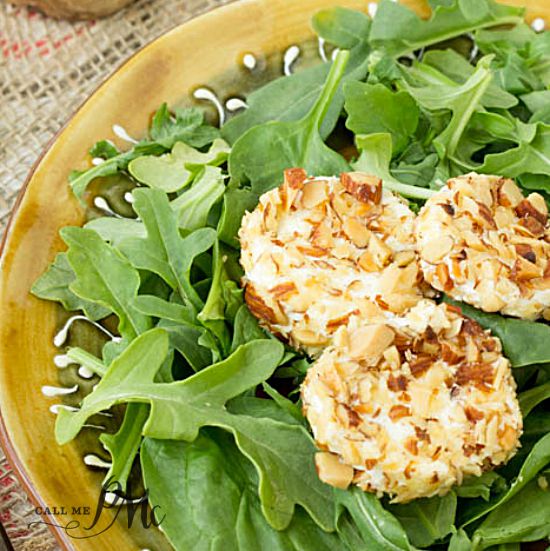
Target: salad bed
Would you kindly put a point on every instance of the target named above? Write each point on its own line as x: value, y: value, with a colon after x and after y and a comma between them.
x: 213, y: 411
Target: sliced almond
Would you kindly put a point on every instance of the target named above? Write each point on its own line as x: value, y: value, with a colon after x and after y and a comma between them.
x: 509, y: 195
x: 435, y: 249
x: 369, y: 342
x: 356, y: 231
x: 379, y: 251
x: 331, y: 471
x: 314, y: 193
x: 364, y: 187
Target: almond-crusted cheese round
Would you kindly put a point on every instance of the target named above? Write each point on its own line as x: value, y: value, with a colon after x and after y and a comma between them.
x: 481, y: 241
x: 412, y: 406
x: 319, y: 253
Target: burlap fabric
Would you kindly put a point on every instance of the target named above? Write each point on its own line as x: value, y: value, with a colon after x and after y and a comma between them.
x: 47, y: 68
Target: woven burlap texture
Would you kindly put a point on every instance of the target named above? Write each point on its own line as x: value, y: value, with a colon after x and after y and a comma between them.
x: 47, y: 68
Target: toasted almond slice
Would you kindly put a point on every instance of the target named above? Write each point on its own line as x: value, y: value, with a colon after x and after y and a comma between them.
x: 436, y: 248
x: 509, y: 194
x: 369, y: 342
x: 365, y: 188
x: 314, y: 193
x: 357, y: 232
x: 331, y: 471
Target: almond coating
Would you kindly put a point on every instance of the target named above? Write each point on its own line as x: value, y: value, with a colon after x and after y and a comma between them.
x: 438, y: 404
x: 482, y: 242
x: 321, y: 253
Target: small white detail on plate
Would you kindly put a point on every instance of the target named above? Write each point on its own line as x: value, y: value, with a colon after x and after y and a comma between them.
x: 97, y: 161
x: 234, y: 104
x: 111, y: 498
x: 334, y: 53
x: 291, y: 55
x: 61, y: 337
x: 208, y: 95
x: 51, y: 391
x: 371, y: 8
x: 321, y: 47
x: 95, y: 427
x: 62, y: 361
x: 249, y: 61
x: 85, y: 373
x: 101, y: 204
x: 128, y: 197
x: 122, y: 134
x: 538, y: 24
x: 93, y: 460
x: 57, y: 407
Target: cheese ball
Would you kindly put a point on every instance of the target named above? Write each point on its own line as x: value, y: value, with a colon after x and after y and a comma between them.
x: 410, y: 408
x: 319, y: 253
x: 482, y: 242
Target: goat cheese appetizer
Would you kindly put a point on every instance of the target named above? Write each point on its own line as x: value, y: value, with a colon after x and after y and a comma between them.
x: 410, y: 407
x: 321, y: 253
x: 482, y: 242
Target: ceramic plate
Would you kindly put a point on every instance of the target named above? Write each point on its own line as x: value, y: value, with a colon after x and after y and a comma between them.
x: 214, y: 60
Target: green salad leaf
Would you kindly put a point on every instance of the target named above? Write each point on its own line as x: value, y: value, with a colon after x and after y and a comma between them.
x: 281, y: 145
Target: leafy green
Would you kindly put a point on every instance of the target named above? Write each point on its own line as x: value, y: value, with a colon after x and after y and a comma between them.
x: 538, y: 458
x: 524, y: 342
x: 55, y: 284
x: 461, y: 99
x: 104, y: 276
x: 531, y: 398
x: 193, y: 206
x: 115, y: 230
x: 373, y: 108
x: 124, y: 444
x: 262, y: 154
x: 375, y: 159
x: 398, y: 30
x: 186, y: 126
x: 371, y: 526
x: 291, y: 98
x: 179, y: 475
x: 164, y: 251
x: 525, y: 518
x: 427, y: 520
x: 173, y: 171
x: 479, y: 486
x: 281, y: 453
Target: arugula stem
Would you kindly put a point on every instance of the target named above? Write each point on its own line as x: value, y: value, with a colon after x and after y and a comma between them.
x: 87, y: 360
x: 412, y: 192
x: 329, y: 89
x: 512, y: 20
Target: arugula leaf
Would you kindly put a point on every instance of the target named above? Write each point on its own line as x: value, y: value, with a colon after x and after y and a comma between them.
x: 399, y: 31
x: 374, y: 108
x: 246, y: 328
x: 525, y: 518
x: 104, y: 276
x: 54, y: 284
x: 450, y: 63
x: 538, y: 458
x: 173, y: 171
x: 427, y: 520
x: 281, y: 453
x: 531, y: 398
x: 187, y: 126
x: 123, y: 445
x: 524, y: 342
x: 291, y: 98
x: 212, y: 466
x: 262, y: 154
x: 235, y: 203
x: 342, y: 27
x: 479, y: 486
x: 461, y: 99
x: 164, y: 251
x: 372, y: 526
x: 460, y: 541
x: 116, y: 230
x: 375, y: 159
x: 193, y: 206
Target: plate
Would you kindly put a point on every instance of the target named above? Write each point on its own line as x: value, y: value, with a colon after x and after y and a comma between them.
x: 217, y: 57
